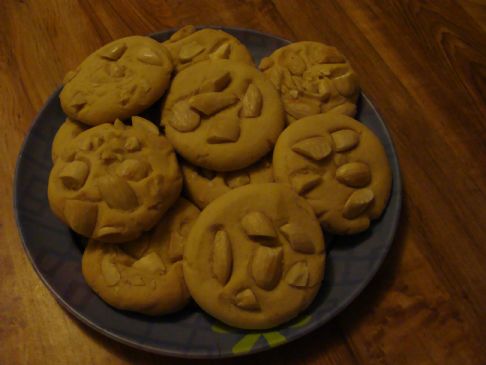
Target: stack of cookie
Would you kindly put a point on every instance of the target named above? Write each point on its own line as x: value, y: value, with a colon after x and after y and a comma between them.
x: 226, y: 200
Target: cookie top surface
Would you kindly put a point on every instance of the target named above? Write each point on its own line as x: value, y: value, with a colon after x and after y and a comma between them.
x: 64, y: 135
x: 312, y: 78
x: 222, y: 115
x: 188, y: 46
x: 144, y: 275
x: 255, y: 256
x: 339, y: 166
x: 118, y: 80
x: 114, y: 182
x: 203, y: 186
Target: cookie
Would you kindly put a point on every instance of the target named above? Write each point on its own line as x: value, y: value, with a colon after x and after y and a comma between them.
x: 203, y: 186
x: 114, y: 182
x: 119, y: 80
x: 255, y: 256
x: 144, y: 275
x: 339, y: 166
x: 188, y: 46
x: 222, y: 115
x: 64, y: 135
x: 312, y: 78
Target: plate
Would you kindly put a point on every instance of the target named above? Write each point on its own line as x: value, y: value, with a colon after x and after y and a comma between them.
x: 55, y: 252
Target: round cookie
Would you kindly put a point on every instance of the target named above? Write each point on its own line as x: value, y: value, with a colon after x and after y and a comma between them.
x: 188, y: 46
x: 339, y: 166
x: 255, y: 256
x: 203, y: 186
x: 64, y: 135
x: 119, y: 80
x: 312, y: 78
x: 113, y: 182
x: 144, y: 275
x: 222, y: 115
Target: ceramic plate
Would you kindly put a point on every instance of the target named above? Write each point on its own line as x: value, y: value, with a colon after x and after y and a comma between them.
x: 55, y: 252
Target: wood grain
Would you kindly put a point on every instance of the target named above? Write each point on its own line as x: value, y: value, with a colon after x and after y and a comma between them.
x: 422, y: 63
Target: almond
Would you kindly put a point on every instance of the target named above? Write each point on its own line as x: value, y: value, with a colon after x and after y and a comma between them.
x: 182, y: 33
x: 354, y: 174
x: 222, y: 261
x: 133, y: 170
x: 256, y: 224
x: 252, y: 102
x: 222, y: 52
x: 113, y: 52
x: 266, y: 266
x: 212, y: 102
x: 74, y: 174
x: 190, y: 50
x: 246, y: 299
x: 117, y: 193
x: 298, y: 238
x: 345, y: 139
x: 298, y: 275
x: 217, y: 83
x: 151, y: 263
x: 357, y: 203
x: 223, y: 130
x: 315, y: 148
x: 148, y: 56
x: 304, y: 182
x: 184, y: 118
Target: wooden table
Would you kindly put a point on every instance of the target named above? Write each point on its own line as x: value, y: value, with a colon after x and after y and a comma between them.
x: 422, y: 63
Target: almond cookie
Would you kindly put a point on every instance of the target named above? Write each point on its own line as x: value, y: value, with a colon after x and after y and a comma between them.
x: 203, y: 186
x: 119, y: 80
x: 339, y: 166
x: 222, y: 115
x: 113, y: 182
x: 144, y: 275
x: 312, y: 78
x: 64, y: 135
x: 188, y: 46
x: 255, y: 256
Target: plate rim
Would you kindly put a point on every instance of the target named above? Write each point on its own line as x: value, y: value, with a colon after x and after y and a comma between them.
x: 315, y: 324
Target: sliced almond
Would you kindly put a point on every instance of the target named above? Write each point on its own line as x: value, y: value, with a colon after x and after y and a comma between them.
x: 236, y: 179
x: 346, y: 85
x: 113, y: 52
x: 144, y: 125
x: 223, y: 130
x: 184, y: 118
x: 109, y: 271
x: 117, y: 193
x: 222, y: 52
x: 115, y: 70
x: 304, y: 182
x: 133, y: 170
x: 346, y: 108
x: 182, y: 33
x: 150, y: 57
x: 190, y: 50
x: 217, y: 83
x: 108, y: 233
x: 298, y: 238
x: 357, y: 203
x: 300, y: 108
x: 74, y: 174
x: 252, y: 102
x: 151, y: 263
x: 315, y: 148
x: 345, y: 139
x: 354, y: 174
x: 266, y: 266
x: 256, y: 225
x: 265, y: 63
x: 298, y: 275
x: 212, y: 102
x: 222, y: 261
x: 81, y: 216
x: 246, y: 299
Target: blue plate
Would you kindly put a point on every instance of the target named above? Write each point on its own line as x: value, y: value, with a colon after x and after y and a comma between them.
x: 55, y: 252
